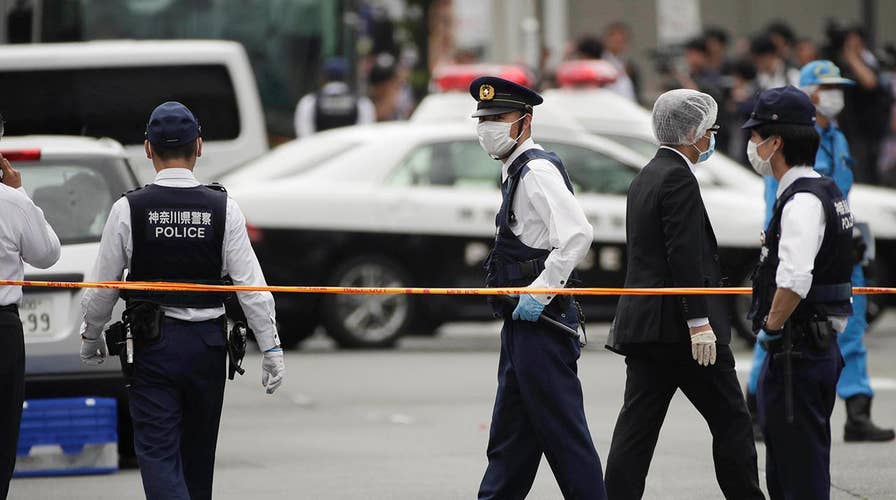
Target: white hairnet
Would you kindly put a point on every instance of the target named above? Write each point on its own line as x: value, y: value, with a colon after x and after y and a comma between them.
x: 682, y: 116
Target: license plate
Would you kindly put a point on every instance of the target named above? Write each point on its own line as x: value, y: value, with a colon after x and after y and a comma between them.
x: 37, y: 312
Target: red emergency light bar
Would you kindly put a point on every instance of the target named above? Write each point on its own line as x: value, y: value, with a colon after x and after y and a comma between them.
x: 21, y: 154
x: 586, y: 73
x: 457, y: 77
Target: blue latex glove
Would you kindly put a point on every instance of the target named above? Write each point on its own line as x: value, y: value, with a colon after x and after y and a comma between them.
x: 528, y: 309
x: 765, y: 338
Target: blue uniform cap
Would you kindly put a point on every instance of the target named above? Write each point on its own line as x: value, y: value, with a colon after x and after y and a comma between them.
x: 785, y: 105
x: 822, y: 72
x: 336, y: 68
x: 172, y: 125
x: 496, y: 96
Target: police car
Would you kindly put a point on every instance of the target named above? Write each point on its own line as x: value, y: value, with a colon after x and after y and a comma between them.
x: 605, y: 113
x: 75, y: 181
x: 411, y: 204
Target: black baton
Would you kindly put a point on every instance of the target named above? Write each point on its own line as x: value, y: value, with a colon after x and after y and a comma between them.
x: 543, y: 319
x: 787, y: 354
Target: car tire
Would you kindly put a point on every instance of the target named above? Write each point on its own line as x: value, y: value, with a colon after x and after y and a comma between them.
x: 368, y: 321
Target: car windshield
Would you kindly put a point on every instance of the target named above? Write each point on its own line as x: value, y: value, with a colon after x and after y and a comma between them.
x: 76, y: 196
x: 463, y: 164
x: 636, y: 144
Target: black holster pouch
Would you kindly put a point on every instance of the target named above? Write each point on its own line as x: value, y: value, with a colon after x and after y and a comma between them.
x: 145, y: 321
x: 816, y: 335
x: 116, y: 343
x: 236, y: 349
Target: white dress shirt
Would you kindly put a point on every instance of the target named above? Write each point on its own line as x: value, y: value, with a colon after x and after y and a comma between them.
x: 304, y: 115
x: 238, y: 257
x: 802, y: 232
x: 24, y: 236
x: 549, y: 217
x: 693, y: 322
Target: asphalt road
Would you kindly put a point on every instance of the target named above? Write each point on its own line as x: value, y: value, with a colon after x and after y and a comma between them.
x: 413, y: 424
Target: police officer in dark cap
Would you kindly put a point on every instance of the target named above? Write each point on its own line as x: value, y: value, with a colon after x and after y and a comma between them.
x: 176, y: 229
x: 802, y: 295
x: 542, y: 234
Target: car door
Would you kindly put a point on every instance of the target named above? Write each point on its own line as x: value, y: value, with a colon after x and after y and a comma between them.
x: 601, y: 183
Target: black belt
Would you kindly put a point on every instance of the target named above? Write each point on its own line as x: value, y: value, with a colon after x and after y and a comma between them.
x: 11, y: 308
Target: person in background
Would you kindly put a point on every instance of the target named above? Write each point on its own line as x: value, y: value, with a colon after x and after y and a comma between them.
x: 388, y: 84
x: 616, y: 40
x: 782, y: 35
x: 805, y: 51
x: 334, y: 104
x: 865, y: 116
x: 771, y: 69
x: 717, y: 41
x: 822, y: 82
x: 25, y: 237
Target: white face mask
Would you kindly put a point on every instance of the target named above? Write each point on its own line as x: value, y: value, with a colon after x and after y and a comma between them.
x: 830, y: 102
x: 762, y: 167
x: 494, y: 137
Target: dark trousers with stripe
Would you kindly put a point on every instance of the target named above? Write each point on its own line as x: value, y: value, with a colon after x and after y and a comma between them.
x: 654, y: 372
x: 798, y: 454
x: 12, y: 393
x: 539, y: 410
x: 176, y: 402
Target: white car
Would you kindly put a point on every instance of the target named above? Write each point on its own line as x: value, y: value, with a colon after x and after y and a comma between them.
x: 604, y: 113
x: 75, y: 181
x: 410, y: 204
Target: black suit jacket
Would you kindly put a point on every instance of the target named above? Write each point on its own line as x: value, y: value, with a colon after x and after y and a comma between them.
x: 670, y: 244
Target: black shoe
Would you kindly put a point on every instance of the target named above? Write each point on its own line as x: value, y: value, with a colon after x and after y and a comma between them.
x: 859, y: 426
x: 754, y: 416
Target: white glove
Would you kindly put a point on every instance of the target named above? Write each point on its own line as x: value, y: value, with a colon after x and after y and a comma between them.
x: 703, y: 347
x: 93, y: 351
x: 272, y: 370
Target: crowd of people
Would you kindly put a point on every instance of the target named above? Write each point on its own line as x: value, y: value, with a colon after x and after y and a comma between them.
x: 735, y: 70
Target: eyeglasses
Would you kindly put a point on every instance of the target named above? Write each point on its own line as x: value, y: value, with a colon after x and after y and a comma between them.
x: 714, y: 129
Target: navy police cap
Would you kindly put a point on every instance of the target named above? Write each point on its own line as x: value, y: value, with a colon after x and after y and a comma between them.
x: 786, y: 105
x: 497, y: 95
x: 172, y: 125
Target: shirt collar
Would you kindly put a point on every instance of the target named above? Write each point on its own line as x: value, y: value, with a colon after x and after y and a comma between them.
x: 176, y: 177
x: 687, y: 160
x: 792, y: 175
x: 525, y: 146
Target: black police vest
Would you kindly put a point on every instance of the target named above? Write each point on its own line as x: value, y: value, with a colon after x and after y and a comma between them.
x: 831, y: 292
x: 178, y: 235
x: 335, y: 109
x: 512, y: 263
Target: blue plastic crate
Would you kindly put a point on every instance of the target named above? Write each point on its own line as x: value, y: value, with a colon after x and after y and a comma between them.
x: 68, y: 436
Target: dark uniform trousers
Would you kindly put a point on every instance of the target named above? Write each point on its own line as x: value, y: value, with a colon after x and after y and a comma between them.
x: 653, y: 373
x: 539, y: 410
x: 176, y: 401
x: 798, y: 455
x: 12, y: 393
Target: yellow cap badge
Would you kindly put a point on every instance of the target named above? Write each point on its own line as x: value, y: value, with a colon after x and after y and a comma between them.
x: 486, y: 92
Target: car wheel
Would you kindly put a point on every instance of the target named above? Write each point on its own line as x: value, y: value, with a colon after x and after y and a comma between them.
x: 368, y: 321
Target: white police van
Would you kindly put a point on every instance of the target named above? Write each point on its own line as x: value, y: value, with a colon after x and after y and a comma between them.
x: 109, y: 88
x: 75, y: 181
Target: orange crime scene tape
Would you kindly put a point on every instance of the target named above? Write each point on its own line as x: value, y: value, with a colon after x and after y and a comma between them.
x: 193, y: 287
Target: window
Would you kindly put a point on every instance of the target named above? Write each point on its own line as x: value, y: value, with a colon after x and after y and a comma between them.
x: 75, y: 198
x: 642, y: 146
x: 459, y: 163
x: 116, y: 102
x: 592, y: 171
